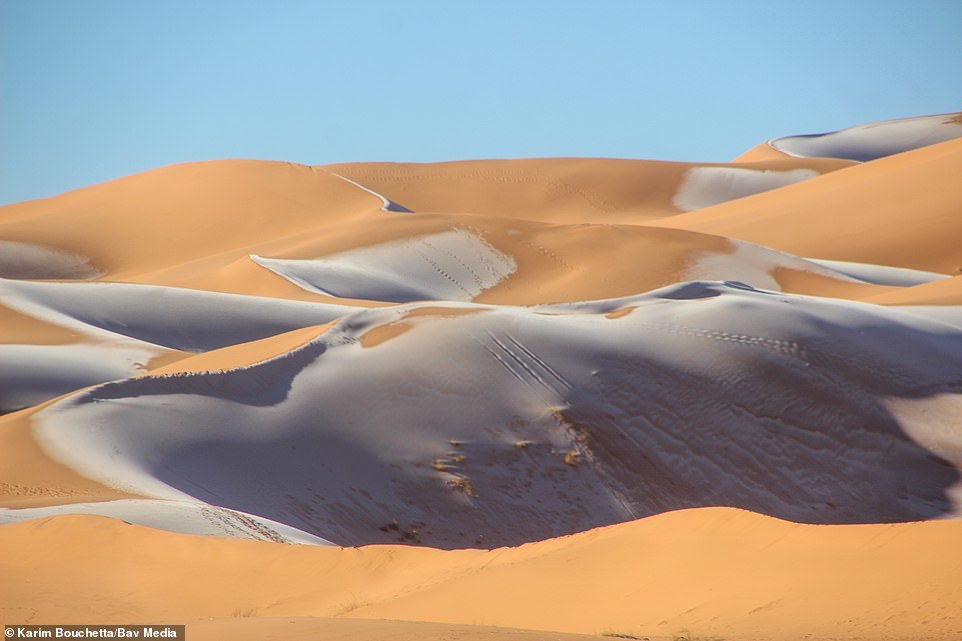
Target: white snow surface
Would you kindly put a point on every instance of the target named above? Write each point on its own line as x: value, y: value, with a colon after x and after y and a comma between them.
x: 702, y: 393
x: 755, y: 265
x: 175, y: 516
x: 950, y: 314
x: 874, y: 140
x: 32, y: 374
x: 752, y: 265
x: 880, y: 274
x: 27, y: 260
x: 454, y: 265
x: 387, y: 204
x: 184, y: 319
x: 707, y: 186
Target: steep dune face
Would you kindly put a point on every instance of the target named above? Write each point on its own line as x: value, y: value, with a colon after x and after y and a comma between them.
x: 700, y: 394
x: 697, y: 573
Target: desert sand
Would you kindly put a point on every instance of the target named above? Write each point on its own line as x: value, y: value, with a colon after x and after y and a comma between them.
x: 493, y: 399
x: 708, y: 572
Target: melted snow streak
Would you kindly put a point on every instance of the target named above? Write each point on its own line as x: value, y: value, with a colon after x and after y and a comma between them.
x: 507, y: 425
x: 874, y: 140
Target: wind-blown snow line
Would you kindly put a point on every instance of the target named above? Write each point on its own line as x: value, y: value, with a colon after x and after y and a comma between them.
x: 388, y: 204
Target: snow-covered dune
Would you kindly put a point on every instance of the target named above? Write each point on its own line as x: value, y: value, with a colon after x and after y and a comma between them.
x: 874, y: 140
x: 698, y: 394
x: 32, y: 374
x: 184, y: 319
x: 451, y: 265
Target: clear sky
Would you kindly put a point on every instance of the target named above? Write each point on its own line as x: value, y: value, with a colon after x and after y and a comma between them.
x: 95, y: 89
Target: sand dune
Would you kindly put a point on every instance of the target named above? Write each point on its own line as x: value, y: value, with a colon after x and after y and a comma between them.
x: 708, y: 573
x: 862, y: 143
x: 605, y: 356
x: 174, y: 516
x: 560, y: 190
x: 875, y: 140
x: 747, y: 381
x: 897, y: 211
x: 311, y: 628
x: 942, y: 292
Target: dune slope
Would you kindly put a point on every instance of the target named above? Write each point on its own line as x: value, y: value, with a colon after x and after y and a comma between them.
x: 382, y: 429
x: 899, y: 211
x: 704, y: 573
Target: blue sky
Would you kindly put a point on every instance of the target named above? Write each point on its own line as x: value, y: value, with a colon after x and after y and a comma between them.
x: 95, y: 89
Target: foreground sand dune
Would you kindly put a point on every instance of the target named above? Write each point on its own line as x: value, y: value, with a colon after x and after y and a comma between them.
x: 313, y: 628
x: 709, y: 572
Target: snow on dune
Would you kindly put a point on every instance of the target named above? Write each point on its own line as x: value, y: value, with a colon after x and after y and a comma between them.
x: 874, y: 140
x: 951, y: 314
x: 26, y: 260
x: 32, y: 374
x: 757, y: 266
x: 707, y: 186
x: 880, y: 274
x: 386, y: 204
x: 697, y: 394
x: 751, y: 264
x: 175, y: 516
x: 453, y: 265
x: 184, y: 319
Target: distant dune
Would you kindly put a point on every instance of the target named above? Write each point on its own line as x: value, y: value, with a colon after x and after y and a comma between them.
x: 564, y: 396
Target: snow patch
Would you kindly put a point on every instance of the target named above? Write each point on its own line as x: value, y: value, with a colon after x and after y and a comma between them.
x: 879, y: 274
x: 454, y: 265
x: 32, y: 374
x: 185, y: 517
x: 386, y: 204
x: 184, y: 319
x: 29, y: 261
x: 752, y: 265
x: 874, y: 140
x: 707, y: 186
